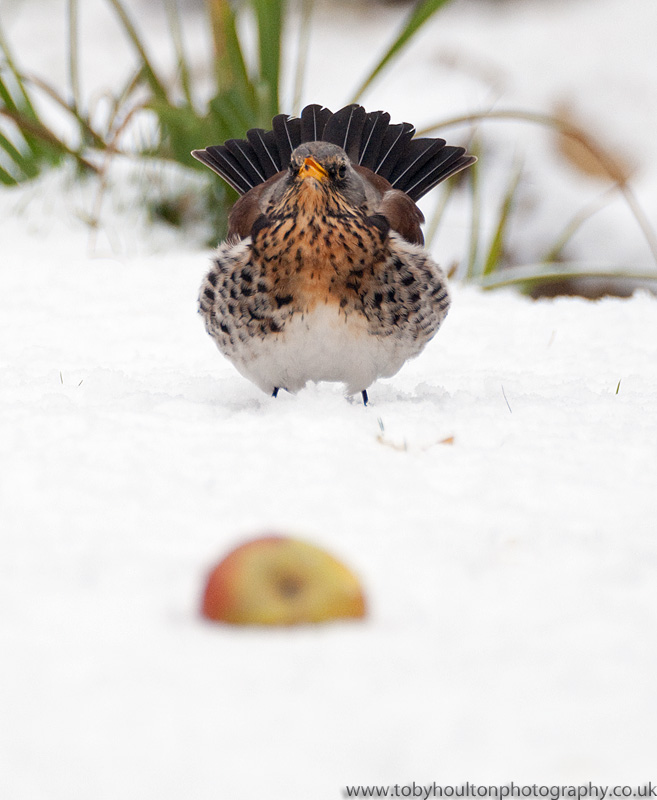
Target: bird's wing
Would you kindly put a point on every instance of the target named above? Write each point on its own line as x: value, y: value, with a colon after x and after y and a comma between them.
x: 250, y: 206
x: 397, y: 207
x: 403, y: 215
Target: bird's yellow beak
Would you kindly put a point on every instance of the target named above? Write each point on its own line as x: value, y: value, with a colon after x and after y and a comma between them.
x: 313, y: 169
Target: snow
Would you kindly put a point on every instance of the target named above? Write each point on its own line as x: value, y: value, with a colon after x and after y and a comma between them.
x: 510, y: 574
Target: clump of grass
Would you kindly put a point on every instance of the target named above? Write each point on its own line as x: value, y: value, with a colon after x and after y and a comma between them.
x: 245, y: 95
x: 27, y: 144
x: 416, y: 20
x: 488, y: 266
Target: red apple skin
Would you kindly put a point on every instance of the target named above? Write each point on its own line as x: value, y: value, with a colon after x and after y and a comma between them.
x: 277, y: 580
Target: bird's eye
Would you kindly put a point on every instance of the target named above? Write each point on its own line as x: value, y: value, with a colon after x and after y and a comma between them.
x: 342, y: 171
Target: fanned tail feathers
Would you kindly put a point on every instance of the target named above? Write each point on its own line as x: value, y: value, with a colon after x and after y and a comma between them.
x: 411, y: 165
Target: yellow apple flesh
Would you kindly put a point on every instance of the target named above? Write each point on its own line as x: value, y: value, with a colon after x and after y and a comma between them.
x: 276, y: 580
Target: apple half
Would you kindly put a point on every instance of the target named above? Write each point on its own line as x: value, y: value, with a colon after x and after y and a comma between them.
x: 276, y: 580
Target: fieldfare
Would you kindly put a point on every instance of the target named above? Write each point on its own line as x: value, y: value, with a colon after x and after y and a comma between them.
x: 323, y: 275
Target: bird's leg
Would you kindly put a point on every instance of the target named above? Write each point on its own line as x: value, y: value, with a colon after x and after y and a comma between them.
x: 275, y: 392
x: 365, y: 397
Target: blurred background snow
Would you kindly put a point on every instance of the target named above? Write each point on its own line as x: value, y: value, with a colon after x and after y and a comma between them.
x: 590, y: 62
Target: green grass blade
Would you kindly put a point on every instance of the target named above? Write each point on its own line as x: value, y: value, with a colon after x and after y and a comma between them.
x: 496, y: 250
x: 25, y: 105
x: 36, y: 130
x: 230, y: 66
x: 6, y: 178
x: 530, y: 275
x: 235, y: 114
x: 173, y: 14
x: 88, y: 132
x: 154, y: 82
x: 439, y: 211
x: 73, y: 55
x: 23, y: 116
x: 302, y: 54
x: 269, y: 15
x: 119, y: 101
x: 417, y: 19
x: 6, y: 97
x: 475, y: 224
x: 567, y: 129
x: 10, y: 149
x: 27, y: 165
x: 589, y: 210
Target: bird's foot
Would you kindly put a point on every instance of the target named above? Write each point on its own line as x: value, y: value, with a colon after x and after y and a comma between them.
x: 365, y: 397
x: 275, y: 392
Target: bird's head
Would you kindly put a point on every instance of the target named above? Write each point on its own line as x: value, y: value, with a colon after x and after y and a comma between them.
x: 326, y: 168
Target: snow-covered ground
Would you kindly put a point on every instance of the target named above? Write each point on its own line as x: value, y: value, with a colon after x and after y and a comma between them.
x: 511, y: 574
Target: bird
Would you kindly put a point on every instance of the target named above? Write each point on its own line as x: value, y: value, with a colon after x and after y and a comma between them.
x: 323, y: 275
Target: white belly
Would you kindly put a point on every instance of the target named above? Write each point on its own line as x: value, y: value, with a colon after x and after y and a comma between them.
x: 322, y: 345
